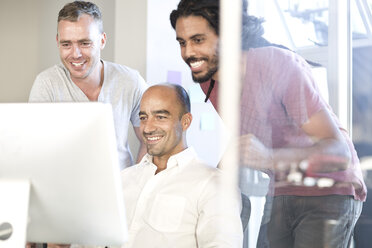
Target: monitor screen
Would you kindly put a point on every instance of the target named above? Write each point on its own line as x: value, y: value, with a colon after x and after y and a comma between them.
x: 68, y: 153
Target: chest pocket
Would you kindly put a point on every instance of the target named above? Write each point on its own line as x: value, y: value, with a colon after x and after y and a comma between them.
x: 166, y: 212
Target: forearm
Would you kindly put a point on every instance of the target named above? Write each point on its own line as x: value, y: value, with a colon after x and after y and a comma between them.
x: 327, y: 155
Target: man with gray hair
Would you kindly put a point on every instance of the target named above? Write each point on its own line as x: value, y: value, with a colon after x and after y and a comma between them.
x: 83, y: 76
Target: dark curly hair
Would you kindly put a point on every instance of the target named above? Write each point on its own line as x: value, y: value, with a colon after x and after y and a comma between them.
x: 252, y: 29
x: 72, y: 11
x: 208, y: 9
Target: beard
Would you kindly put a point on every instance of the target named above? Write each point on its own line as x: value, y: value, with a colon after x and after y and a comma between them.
x: 206, y: 77
x: 211, y: 70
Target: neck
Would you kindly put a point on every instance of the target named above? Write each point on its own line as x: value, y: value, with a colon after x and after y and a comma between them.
x: 215, y: 76
x: 162, y: 161
x: 91, y: 85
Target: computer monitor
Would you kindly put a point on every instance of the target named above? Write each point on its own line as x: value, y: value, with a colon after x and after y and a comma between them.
x: 67, y: 151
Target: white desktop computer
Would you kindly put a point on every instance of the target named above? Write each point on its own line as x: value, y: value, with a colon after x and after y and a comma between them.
x: 59, y: 175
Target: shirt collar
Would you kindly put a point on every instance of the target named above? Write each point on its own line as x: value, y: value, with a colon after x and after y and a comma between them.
x: 180, y: 159
x: 147, y: 159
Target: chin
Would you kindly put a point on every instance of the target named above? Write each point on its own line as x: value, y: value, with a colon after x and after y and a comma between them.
x: 200, y: 80
x: 203, y: 78
x: 152, y: 153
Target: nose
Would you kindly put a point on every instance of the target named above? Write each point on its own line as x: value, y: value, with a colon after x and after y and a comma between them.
x: 76, y: 51
x: 188, y: 51
x: 148, y: 126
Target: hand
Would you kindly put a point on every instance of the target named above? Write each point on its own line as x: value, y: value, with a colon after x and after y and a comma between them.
x: 254, y: 154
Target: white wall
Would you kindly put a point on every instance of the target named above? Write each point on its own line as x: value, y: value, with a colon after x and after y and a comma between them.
x: 131, y: 33
x: 19, y: 48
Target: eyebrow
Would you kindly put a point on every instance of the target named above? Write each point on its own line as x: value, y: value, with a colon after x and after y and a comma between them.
x: 79, y: 41
x: 85, y: 40
x: 162, y: 111
x: 192, y: 37
x: 197, y: 35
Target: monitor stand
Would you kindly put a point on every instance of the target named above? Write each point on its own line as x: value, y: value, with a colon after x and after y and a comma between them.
x: 14, y: 198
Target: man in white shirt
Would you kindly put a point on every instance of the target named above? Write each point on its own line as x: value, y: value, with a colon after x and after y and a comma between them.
x: 172, y: 198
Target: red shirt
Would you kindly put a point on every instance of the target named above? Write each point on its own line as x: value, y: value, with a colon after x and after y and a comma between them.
x: 278, y: 96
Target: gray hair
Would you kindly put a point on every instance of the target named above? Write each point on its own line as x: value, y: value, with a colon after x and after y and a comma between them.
x: 72, y: 12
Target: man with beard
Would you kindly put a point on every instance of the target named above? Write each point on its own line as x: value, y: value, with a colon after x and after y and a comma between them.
x: 172, y: 198
x: 284, y: 123
x: 83, y: 76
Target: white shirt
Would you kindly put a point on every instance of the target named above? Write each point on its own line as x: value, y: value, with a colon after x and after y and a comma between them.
x: 180, y: 206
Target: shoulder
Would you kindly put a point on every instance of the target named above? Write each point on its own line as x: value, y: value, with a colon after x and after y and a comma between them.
x: 123, y: 76
x: 203, y: 172
x: 120, y: 70
x: 271, y: 62
x: 272, y: 55
x: 53, y: 73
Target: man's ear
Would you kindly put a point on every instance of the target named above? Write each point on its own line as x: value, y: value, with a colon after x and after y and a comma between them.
x: 186, y: 121
x: 103, y: 40
x: 57, y: 40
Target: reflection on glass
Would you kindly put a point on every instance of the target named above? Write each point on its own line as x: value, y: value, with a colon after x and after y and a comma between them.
x: 289, y: 133
x: 309, y: 16
x: 307, y: 21
x: 361, y: 19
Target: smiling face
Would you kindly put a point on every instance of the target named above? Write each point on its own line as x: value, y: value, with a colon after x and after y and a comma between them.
x: 162, y: 123
x: 80, y: 44
x: 199, y: 47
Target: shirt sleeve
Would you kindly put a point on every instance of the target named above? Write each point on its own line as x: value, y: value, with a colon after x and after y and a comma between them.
x: 300, y: 95
x: 40, y: 91
x: 141, y: 87
x: 219, y: 223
